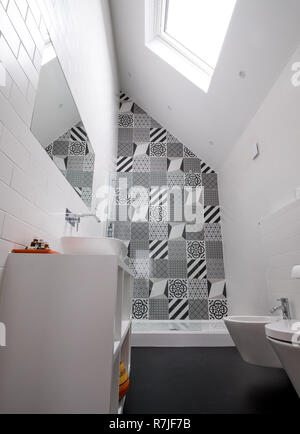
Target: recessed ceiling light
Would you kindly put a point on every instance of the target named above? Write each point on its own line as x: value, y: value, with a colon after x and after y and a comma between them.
x: 242, y: 74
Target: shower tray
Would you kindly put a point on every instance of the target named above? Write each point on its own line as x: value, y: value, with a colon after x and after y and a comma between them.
x: 180, y: 334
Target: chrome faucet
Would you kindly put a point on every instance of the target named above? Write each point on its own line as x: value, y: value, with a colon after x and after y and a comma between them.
x: 75, y: 219
x: 284, y: 307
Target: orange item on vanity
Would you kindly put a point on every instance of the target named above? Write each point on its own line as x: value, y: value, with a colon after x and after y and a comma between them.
x: 124, y: 382
x: 36, y: 252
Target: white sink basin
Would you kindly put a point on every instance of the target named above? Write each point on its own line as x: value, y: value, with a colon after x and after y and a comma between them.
x: 93, y: 246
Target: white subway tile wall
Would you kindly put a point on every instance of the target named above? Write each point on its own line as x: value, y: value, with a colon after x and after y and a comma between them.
x: 33, y: 193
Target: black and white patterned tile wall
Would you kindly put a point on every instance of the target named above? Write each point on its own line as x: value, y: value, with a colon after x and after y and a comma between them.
x: 74, y: 156
x: 167, y: 212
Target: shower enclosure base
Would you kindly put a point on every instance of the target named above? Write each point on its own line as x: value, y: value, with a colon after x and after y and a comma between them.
x: 180, y: 334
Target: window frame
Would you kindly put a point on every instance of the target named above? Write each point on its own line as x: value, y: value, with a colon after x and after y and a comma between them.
x: 160, y: 22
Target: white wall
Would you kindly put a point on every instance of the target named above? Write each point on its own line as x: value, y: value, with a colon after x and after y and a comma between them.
x: 82, y: 36
x: 251, y: 190
x: 280, y: 232
x: 33, y: 192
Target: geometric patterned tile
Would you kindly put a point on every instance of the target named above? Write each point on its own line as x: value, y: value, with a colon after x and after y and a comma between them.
x: 205, y: 168
x: 196, y: 269
x: 215, y: 269
x: 196, y: 249
x: 158, y: 249
x: 176, y: 179
x: 212, y: 214
x: 75, y: 163
x: 213, y: 232
x: 140, y: 231
x: 126, y: 135
x: 155, y: 124
x: 175, y: 150
x: 174, y: 165
x: 140, y: 268
x: 216, y: 289
x: 177, y: 269
x: 158, y: 150
x: 198, y: 289
x: 139, y: 249
x: 142, y: 121
x: 89, y: 163
x: 177, y: 249
x: 125, y: 149
x: 122, y: 230
x: 141, y: 149
x: 158, y: 309
x: 158, y: 231
x: 159, y: 289
x: 188, y: 153
x: 210, y: 181
x: 158, y: 179
x: 60, y: 148
x: 211, y: 197
x: 174, y: 237
x: 140, y: 309
x: 158, y: 135
x: 193, y: 180
x: 178, y: 309
x: 141, y: 164
x: 158, y: 164
x: 138, y: 110
x: 198, y: 309
x: 214, y: 249
x: 192, y: 165
x: 141, y: 135
x: 158, y: 214
x: 124, y: 164
x: 141, y: 288
x: 218, y: 309
x: 126, y: 120
x: 178, y: 288
x: 171, y: 139
x: 141, y: 179
x: 177, y: 231
x: 158, y: 268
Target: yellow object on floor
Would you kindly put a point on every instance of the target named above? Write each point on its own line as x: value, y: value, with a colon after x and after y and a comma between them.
x: 124, y: 382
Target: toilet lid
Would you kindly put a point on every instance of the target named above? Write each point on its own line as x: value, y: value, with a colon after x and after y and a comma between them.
x: 285, y: 330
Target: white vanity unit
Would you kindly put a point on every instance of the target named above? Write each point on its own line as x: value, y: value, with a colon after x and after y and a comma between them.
x: 68, y: 325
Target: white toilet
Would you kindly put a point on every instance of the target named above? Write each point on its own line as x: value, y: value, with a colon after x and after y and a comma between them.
x: 284, y: 336
x: 248, y: 334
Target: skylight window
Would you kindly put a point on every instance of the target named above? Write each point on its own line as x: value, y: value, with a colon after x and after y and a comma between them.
x: 189, y: 34
x: 200, y: 26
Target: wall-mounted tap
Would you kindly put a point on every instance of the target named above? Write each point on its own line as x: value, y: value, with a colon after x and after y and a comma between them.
x: 284, y: 307
x: 75, y: 219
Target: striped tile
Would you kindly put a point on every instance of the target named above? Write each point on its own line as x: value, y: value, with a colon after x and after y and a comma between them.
x: 196, y: 269
x: 124, y: 164
x: 205, y: 168
x: 158, y: 196
x: 178, y: 309
x: 158, y: 249
x: 78, y: 134
x: 124, y: 97
x: 158, y: 135
x: 212, y: 214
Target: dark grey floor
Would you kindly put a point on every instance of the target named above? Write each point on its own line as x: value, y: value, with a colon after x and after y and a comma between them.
x: 205, y: 381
